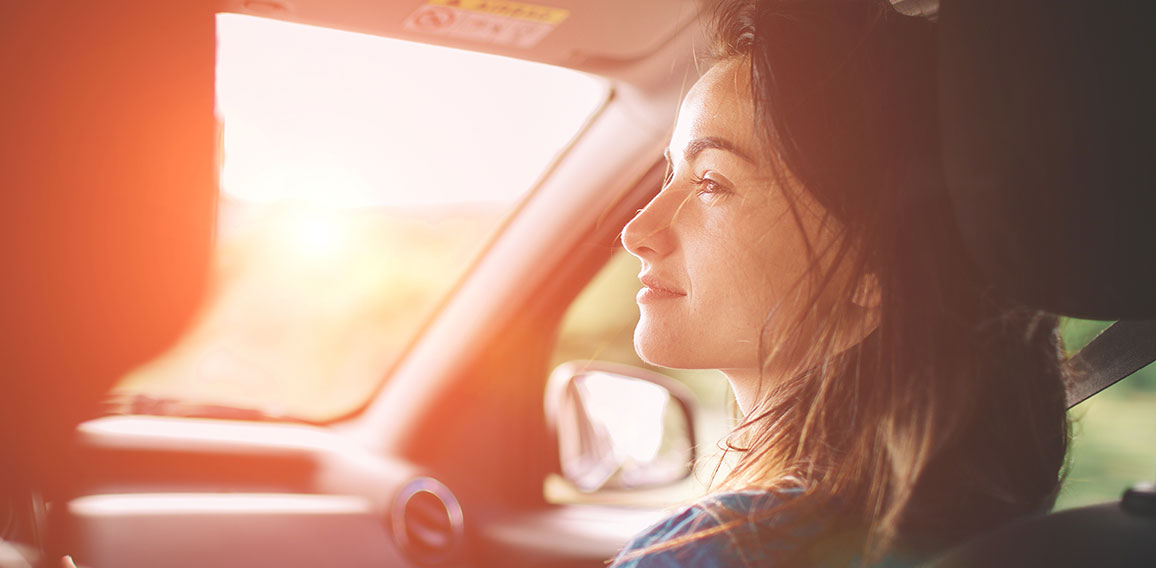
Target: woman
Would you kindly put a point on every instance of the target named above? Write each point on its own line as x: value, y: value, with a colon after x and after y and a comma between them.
x: 803, y: 243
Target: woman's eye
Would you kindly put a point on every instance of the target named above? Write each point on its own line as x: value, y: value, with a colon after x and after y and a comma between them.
x: 706, y: 186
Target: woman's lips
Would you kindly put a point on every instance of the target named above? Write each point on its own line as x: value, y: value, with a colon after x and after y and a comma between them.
x: 654, y: 289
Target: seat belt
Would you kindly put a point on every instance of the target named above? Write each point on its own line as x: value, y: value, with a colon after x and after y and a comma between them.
x: 1122, y: 349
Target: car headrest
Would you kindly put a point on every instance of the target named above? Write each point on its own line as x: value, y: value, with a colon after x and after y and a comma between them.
x: 1049, y: 147
x: 106, y: 217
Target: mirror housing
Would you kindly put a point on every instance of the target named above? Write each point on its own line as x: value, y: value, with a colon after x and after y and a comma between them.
x: 620, y: 427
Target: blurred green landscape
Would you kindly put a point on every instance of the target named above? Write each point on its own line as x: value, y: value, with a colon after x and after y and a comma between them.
x: 1113, y: 433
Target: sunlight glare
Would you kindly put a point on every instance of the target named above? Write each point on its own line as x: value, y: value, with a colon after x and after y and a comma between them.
x: 317, y: 235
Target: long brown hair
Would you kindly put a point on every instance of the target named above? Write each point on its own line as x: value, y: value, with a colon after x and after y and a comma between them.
x: 949, y: 418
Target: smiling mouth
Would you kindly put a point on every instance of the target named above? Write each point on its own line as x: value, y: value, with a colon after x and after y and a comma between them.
x: 654, y: 290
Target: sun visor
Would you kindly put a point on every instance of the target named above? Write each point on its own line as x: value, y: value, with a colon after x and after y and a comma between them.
x: 1049, y: 148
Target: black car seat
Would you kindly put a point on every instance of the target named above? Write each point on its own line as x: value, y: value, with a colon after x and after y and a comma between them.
x: 1049, y: 126
x: 108, y: 204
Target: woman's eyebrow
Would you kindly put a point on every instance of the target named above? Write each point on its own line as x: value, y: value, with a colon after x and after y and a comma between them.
x: 696, y: 146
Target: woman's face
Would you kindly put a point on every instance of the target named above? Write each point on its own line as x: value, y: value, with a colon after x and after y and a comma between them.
x: 720, y: 246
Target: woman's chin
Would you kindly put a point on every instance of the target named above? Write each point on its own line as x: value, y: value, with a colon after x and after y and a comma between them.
x: 663, y: 353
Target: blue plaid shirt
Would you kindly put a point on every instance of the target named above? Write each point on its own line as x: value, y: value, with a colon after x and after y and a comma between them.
x: 745, y: 545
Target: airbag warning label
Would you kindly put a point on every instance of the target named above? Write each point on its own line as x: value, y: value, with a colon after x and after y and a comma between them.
x: 489, y: 21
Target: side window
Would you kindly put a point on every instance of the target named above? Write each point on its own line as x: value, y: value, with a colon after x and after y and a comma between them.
x: 1113, y: 433
x: 599, y: 326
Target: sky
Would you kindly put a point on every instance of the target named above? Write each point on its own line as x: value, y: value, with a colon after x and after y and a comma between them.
x: 334, y: 118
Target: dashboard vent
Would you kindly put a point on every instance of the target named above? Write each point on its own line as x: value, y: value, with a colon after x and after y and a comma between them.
x: 427, y: 521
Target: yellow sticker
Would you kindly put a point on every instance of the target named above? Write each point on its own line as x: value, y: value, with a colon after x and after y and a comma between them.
x: 517, y: 10
x: 488, y: 21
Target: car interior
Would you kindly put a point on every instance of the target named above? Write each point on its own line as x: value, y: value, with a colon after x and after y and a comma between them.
x: 474, y: 446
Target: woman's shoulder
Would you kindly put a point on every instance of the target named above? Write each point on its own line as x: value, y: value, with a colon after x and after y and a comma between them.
x: 723, y: 529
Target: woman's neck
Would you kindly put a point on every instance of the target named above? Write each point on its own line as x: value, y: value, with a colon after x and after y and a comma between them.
x: 747, y: 387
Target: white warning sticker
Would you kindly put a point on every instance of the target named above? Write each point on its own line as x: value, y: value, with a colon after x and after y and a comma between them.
x: 489, y: 21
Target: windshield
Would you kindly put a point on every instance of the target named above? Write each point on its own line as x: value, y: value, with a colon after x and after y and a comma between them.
x: 360, y: 176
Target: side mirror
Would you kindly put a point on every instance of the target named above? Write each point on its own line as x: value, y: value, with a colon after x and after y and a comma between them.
x: 620, y: 427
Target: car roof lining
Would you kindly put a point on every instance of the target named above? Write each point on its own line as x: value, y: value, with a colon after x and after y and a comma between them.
x: 595, y: 35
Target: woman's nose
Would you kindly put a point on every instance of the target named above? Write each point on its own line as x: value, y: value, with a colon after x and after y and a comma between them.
x: 648, y: 234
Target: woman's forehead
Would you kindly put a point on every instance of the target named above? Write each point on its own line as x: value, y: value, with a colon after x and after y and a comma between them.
x: 718, y: 107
